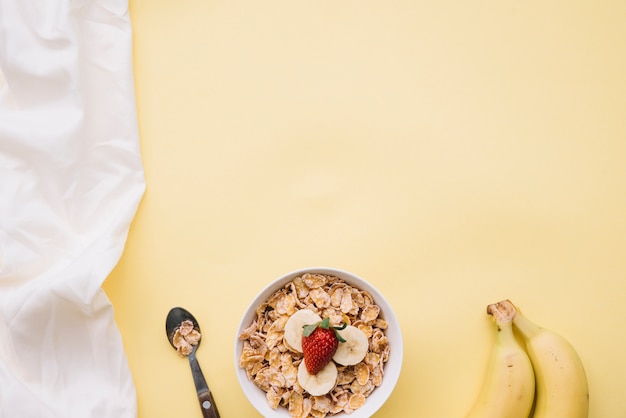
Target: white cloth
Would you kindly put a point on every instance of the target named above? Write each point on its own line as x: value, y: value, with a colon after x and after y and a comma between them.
x: 71, y: 179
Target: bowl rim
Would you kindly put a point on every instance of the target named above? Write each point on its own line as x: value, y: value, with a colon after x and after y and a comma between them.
x: 393, y: 366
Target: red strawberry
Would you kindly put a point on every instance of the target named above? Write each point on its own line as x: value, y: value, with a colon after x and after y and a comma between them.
x: 319, y: 343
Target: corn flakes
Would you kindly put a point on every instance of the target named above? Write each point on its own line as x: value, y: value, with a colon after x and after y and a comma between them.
x: 272, y: 365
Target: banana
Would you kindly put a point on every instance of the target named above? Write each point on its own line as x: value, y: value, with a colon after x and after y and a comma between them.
x: 293, y: 327
x: 562, y: 389
x: 509, y: 385
x: 320, y: 383
x: 354, y: 349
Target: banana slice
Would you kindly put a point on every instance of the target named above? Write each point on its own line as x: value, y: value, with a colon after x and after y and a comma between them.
x: 354, y: 349
x: 293, y: 327
x: 320, y: 383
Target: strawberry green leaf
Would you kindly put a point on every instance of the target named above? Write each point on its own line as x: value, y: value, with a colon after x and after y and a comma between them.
x: 342, y: 326
x: 308, y: 329
x: 325, y: 323
x: 339, y: 337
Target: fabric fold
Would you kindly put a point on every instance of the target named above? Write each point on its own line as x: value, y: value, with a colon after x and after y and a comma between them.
x: 71, y: 179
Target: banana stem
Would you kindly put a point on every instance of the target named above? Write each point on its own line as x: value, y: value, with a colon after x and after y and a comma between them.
x: 503, y: 312
x: 505, y: 335
x: 527, y: 328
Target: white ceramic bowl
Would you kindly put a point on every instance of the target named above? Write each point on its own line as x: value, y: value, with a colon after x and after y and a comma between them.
x: 392, y: 368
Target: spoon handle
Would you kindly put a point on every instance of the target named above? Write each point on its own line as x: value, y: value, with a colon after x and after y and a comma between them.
x: 207, y: 403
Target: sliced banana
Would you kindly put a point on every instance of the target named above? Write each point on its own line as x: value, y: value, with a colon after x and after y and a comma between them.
x: 293, y: 327
x: 320, y: 383
x: 354, y: 349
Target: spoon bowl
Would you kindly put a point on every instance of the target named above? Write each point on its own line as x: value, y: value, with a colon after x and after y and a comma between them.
x: 175, y: 318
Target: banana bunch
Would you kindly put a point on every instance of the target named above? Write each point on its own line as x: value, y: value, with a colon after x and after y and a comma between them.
x: 543, y: 379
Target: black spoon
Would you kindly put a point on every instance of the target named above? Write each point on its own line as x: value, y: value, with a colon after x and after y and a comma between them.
x: 174, y: 319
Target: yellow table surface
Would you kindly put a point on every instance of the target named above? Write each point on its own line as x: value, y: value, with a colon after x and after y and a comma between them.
x: 451, y: 153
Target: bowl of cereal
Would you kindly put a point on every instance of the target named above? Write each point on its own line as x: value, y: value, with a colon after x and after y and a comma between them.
x: 287, y: 326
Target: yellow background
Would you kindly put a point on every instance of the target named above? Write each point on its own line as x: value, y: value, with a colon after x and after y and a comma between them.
x: 451, y: 153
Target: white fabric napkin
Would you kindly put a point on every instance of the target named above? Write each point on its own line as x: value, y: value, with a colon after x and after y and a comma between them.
x: 71, y: 179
